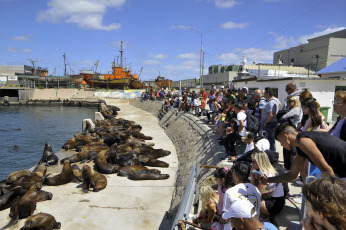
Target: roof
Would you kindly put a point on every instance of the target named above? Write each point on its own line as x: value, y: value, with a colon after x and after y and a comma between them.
x: 338, y: 66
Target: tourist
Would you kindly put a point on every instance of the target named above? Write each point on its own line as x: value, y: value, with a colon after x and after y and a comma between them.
x: 242, y: 190
x: 220, y: 177
x: 273, y: 197
x: 311, y: 120
x: 294, y: 116
x: 209, y: 207
x: 203, y: 99
x: 260, y: 102
x: 291, y: 90
x: 268, y: 121
x: 211, y: 104
x: 231, y: 138
x: 249, y: 140
x: 339, y: 106
x: 325, y: 151
x: 326, y: 202
x: 242, y: 217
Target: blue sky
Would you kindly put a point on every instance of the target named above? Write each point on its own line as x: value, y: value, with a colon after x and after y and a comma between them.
x: 155, y: 34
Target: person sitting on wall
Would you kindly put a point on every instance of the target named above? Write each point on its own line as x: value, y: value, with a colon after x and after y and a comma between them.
x: 325, y: 151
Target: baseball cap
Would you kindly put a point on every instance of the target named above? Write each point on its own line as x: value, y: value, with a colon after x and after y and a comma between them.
x: 248, y: 135
x: 263, y: 145
x: 245, y: 89
x: 240, y: 209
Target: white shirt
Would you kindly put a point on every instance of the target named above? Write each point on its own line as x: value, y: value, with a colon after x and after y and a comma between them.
x: 279, y: 191
x: 242, y: 116
x: 239, y: 192
x: 249, y: 147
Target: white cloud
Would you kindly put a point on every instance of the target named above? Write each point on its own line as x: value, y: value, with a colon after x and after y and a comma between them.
x: 26, y: 50
x: 188, y: 56
x: 225, y: 3
x: 151, y: 62
x: 12, y: 49
x: 303, y: 39
x: 252, y: 54
x: 326, y: 26
x: 25, y: 37
x: 180, y: 27
x: 233, y: 25
x: 187, y: 65
x: 157, y: 56
x: 87, y: 14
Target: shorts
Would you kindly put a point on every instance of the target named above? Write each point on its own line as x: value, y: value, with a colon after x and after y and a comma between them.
x: 274, y: 205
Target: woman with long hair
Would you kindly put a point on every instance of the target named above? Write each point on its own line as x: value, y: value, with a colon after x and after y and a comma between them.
x: 326, y: 202
x: 273, y: 198
x: 209, y: 207
x: 312, y: 119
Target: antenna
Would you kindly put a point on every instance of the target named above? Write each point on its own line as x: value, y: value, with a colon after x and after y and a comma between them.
x: 121, y: 54
x: 33, y: 62
x: 96, y: 63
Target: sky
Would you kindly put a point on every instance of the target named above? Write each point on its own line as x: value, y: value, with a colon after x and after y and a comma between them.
x: 159, y: 35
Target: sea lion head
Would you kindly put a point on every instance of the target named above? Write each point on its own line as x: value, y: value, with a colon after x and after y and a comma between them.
x: 87, y: 170
x: 40, y: 170
x: 47, y: 147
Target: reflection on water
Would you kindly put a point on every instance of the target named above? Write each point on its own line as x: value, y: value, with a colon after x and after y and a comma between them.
x: 25, y: 129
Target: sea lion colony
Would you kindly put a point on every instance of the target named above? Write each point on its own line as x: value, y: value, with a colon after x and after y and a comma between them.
x: 115, y: 145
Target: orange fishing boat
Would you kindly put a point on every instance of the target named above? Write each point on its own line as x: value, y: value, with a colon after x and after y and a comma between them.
x: 120, y: 77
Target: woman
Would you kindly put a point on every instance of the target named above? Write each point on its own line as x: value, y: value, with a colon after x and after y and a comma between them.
x: 273, y: 199
x: 203, y: 101
x: 339, y: 106
x: 312, y: 120
x: 209, y: 207
x: 326, y: 202
x: 294, y: 116
x: 220, y: 176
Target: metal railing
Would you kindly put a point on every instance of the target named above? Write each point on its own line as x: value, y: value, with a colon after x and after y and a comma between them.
x: 189, y: 198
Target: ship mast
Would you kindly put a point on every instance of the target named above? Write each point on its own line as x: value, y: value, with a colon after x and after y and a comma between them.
x: 121, y: 53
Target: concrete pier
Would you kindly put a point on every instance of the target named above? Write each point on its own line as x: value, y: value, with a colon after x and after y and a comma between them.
x: 124, y: 204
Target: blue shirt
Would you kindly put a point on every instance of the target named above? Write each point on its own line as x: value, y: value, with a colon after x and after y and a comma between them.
x: 211, y: 103
x: 269, y: 226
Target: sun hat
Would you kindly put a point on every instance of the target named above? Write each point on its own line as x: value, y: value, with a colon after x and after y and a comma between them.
x: 262, y: 145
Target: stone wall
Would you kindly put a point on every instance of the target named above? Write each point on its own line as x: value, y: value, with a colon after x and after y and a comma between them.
x: 193, y: 140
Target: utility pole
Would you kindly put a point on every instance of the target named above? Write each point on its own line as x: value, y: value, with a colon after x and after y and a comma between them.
x: 317, y: 56
x: 64, y: 56
x: 121, y: 53
x: 201, y: 57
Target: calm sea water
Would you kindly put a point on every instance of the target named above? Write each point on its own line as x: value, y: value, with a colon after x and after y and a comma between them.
x: 29, y: 127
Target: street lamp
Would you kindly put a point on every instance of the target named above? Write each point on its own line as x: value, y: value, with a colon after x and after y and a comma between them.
x: 201, y: 59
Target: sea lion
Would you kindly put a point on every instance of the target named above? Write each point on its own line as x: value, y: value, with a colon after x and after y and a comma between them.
x: 83, y: 154
x: 127, y: 159
x: 125, y: 171
x: 66, y: 176
x: 41, y: 221
x: 154, y: 163
x: 70, y: 144
x: 103, y: 166
x: 48, y: 156
x: 25, y: 206
x: 11, y: 178
x: 7, y: 199
x: 147, y: 175
x: 149, y: 152
x: 93, y: 179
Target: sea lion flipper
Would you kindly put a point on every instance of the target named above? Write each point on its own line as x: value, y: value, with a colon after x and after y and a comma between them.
x: 14, y: 218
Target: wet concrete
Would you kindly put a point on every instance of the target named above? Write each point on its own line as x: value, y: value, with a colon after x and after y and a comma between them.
x: 124, y: 204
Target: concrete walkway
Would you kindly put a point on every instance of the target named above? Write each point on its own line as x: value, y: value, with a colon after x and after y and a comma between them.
x: 124, y: 204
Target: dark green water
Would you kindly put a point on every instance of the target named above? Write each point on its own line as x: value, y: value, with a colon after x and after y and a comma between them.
x: 37, y: 125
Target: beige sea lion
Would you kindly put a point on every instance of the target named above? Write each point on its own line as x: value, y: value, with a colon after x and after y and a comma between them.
x: 93, y: 179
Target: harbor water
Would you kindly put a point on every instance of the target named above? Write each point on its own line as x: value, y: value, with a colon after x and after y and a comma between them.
x: 25, y: 129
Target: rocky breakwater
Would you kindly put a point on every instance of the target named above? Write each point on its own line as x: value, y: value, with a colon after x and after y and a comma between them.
x: 193, y: 141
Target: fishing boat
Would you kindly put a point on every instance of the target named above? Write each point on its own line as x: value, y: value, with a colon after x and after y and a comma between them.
x: 119, y: 78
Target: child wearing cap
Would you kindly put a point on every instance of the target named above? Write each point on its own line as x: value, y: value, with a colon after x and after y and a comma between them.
x: 242, y: 216
x: 249, y: 140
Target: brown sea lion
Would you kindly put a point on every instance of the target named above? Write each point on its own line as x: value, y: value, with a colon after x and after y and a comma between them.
x: 93, y: 179
x: 70, y: 144
x: 83, y: 154
x: 7, y: 199
x: 149, y: 152
x: 42, y: 221
x: 25, y: 206
x: 103, y: 166
x: 66, y: 176
x: 154, y: 163
x: 147, y: 175
x: 48, y: 157
x: 125, y: 171
x: 11, y: 178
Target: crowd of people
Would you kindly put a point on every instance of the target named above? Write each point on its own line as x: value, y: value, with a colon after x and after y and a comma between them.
x: 254, y: 189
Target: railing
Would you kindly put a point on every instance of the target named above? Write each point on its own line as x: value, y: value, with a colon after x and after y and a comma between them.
x: 189, y: 198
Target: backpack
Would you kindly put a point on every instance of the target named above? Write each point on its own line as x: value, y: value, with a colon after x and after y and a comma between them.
x: 253, y: 124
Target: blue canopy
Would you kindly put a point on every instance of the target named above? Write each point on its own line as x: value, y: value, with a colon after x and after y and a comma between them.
x: 338, y: 66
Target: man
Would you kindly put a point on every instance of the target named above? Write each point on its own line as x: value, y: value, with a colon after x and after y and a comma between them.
x: 268, y: 121
x: 260, y: 103
x: 325, y: 151
x: 242, y: 217
x: 237, y: 133
x: 243, y: 190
